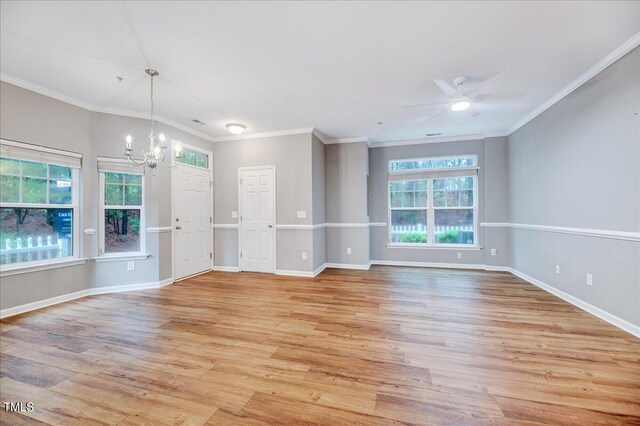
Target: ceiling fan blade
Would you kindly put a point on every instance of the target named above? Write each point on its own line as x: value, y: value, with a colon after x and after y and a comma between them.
x: 436, y: 113
x: 424, y: 105
x: 497, y: 96
x: 473, y: 112
x: 446, y: 88
x: 482, y: 88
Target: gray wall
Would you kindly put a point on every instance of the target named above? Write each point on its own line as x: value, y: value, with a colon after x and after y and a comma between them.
x: 346, y: 167
x: 496, y: 201
x: 292, y: 156
x: 29, y: 117
x: 578, y: 165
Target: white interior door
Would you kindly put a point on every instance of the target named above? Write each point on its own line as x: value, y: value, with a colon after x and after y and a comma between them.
x: 257, y: 217
x: 192, y: 209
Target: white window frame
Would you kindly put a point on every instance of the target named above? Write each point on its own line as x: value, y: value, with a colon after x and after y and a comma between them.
x: 430, y: 175
x: 45, y: 155
x: 140, y: 254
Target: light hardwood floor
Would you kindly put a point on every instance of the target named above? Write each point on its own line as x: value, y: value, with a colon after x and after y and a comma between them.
x: 385, y: 346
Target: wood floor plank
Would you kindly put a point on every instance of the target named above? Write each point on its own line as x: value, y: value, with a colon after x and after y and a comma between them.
x: 386, y: 346
x: 31, y: 372
x: 56, y: 409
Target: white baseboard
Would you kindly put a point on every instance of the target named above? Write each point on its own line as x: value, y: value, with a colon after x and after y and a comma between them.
x: 603, y: 315
x: 226, y: 268
x: 4, y: 313
x: 320, y: 269
x: 348, y: 266
x: 166, y: 282
x: 493, y: 268
x: 295, y: 273
x: 16, y: 310
x: 429, y: 264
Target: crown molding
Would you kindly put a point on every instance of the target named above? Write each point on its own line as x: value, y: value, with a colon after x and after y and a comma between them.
x: 323, y: 138
x: 496, y: 135
x: 426, y: 140
x: 264, y: 135
x: 618, y: 53
x: 98, y: 108
x: 348, y: 140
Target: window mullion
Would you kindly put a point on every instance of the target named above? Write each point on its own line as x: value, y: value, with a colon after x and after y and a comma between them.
x: 47, y: 183
x: 430, y: 214
x: 20, y: 184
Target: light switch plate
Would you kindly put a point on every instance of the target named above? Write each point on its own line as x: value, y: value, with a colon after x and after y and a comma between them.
x: 234, y: 214
x: 301, y: 214
x: 304, y: 255
x: 131, y: 265
x: 494, y: 252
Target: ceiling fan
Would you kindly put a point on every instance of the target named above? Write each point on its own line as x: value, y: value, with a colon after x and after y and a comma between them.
x: 466, y: 100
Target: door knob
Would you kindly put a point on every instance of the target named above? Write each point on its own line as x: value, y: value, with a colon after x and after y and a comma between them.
x: 178, y: 227
x: 270, y: 226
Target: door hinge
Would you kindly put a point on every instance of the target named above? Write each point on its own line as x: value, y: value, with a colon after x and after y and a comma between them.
x: 240, y: 181
x: 210, y: 220
x: 210, y: 255
x: 240, y: 254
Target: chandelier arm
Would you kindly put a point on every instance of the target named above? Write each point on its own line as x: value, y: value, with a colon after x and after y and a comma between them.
x: 136, y: 162
x: 168, y: 166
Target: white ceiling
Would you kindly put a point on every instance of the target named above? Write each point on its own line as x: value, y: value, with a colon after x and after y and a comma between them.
x: 338, y: 66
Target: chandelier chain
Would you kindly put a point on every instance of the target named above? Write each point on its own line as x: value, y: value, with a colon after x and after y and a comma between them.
x: 152, y: 108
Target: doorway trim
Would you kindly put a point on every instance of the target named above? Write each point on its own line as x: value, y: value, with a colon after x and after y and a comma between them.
x: 173, y: 209
x: 275, y: 210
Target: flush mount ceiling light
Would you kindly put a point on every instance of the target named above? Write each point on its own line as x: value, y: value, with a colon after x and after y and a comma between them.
x: 236, y: 129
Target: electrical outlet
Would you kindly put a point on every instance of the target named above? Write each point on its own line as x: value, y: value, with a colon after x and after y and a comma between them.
x: 557, y: 269
x: 494, y: 252
x: 348, y: 250
x: 234, y: 214
x: 459, y: 255
x: 131, y: 266
x: 304, y: 255
x: 301, y: 214
x: 589, y: 279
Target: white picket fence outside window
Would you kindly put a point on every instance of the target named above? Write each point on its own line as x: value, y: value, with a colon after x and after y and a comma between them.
x: 30, y: 249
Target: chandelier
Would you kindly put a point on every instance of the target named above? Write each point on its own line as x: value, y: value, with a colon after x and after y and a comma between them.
x: 157, y: 148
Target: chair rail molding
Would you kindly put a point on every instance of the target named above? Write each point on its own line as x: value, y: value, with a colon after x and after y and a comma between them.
x: 587, y: 232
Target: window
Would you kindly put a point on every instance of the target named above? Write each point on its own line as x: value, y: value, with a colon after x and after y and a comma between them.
x: 38, y: 205
x: 194, y: 158
x: 433, y: 163
x: 122, y: 208
x: 432, y: 201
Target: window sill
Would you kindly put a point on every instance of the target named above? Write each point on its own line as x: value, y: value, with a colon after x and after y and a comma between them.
x: 120, y: 257
x: 24, y: 269
x: 434, y: 247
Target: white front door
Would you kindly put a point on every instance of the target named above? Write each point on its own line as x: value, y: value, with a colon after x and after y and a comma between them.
x: 257, y: 217
x: 192, y: 221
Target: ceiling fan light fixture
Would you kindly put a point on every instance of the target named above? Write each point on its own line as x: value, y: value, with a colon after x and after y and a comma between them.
x: 460, y: 104
x: 236, y: 129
